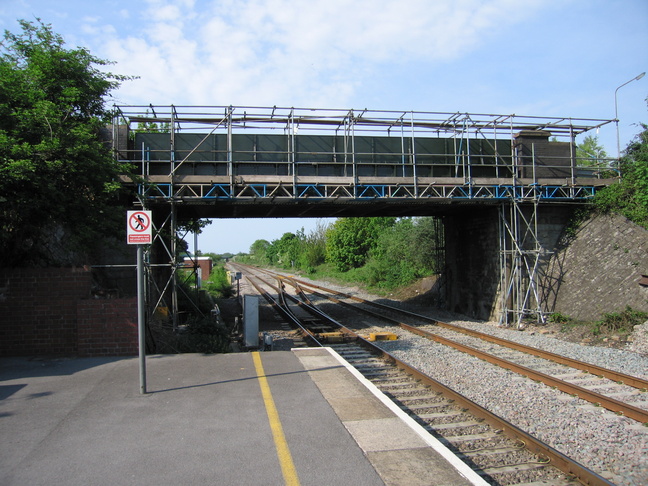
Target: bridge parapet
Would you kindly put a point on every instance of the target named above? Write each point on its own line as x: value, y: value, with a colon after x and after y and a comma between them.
x: 206, y: 154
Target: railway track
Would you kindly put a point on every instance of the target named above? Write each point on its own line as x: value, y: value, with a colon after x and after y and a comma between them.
x: 502, y: 453
x: 613, y: 390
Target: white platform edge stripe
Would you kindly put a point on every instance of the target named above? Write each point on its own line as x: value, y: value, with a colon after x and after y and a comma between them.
x: 461, y: 467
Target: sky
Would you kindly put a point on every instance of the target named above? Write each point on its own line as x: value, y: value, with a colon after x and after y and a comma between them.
x: 562, y: 58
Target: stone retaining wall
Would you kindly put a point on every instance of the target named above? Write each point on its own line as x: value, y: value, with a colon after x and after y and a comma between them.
x: 598, y: 271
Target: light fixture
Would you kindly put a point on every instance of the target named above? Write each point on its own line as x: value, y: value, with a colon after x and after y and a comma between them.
x: 616, y: 111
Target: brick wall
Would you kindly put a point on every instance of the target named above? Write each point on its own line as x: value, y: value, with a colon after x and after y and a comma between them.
x: 40, y: 310
x: 107, y: 327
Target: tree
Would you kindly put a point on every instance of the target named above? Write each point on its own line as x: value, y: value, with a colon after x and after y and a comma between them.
x: 58, y: 180
x: 313, y: 248
x: 404, y: 252
x: 285, y: 250
x: 258, y: 251
x: 630, y: 196
x: 349, y: 240
x: 590, y: 154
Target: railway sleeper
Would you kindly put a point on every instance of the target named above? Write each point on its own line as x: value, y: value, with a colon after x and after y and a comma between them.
x: 638, y: 404
x: 589, y: 381
x: 573, y: 375
x: 441, y: 415
x: 607, y: 391
x: 467, y: 428
x: 358, y: 358
x: 401, y: 386
x: 366, y: 362
x: 409, y: 399
x: 412, y: 392
x: 528, y: 475
x: 503, y: 458
x: 503, y: 449
x: 448, y: 418
x: 432, y: 404
x: 480, y: 442
x: 390, y: 380
x: 345, y: 347
x: 460, y: 425
x: 487, y: 435
x: 409, y: 396
x: 381, y: 374
x: 417, y: 413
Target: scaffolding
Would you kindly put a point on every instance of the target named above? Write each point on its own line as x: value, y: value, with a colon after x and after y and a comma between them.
x: 206, y: 155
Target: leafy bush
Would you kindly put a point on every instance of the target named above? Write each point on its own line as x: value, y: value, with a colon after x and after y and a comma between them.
x: 559, y: 318
x: 630, y: 196
x: 58, y: 189
x: 621, y: 322
x: 403, y: 252
x: 218, y: 284
x: 349, y: 240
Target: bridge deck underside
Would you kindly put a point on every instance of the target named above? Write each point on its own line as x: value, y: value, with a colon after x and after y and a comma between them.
x: 286, y: 196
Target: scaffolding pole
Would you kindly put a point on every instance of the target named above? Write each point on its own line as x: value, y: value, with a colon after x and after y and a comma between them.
x: 520, y: 245
x: 520, y: 251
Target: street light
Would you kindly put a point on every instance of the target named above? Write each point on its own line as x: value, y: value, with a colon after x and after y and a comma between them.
x: 616, y: 111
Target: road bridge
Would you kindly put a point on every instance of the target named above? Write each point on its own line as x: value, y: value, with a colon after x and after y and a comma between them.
x: 503, y: 185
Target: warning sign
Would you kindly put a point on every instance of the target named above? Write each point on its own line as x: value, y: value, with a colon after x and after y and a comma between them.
x: 139, y: 229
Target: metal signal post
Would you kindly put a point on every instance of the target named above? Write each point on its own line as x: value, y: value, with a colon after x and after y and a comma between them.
x: 139, y: 232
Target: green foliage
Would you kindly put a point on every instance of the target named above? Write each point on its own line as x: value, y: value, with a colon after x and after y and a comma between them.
x: 402, y: 253
x: 381, y: 253
x: 150, y: 127
x: 349, y: 240
x: 589, y: 153
x: 313, y: 249
x: 559, y: 318
x: 57, y: 178
x: 577, y: 218
x: 193, y: 225
x: 218, y: 284
x: 630, y: 196
x: 258, y: 252
x: 620, y: 322
x: 284, y: 251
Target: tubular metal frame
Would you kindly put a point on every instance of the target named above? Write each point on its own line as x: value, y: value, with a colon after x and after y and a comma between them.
x: 519, y: 199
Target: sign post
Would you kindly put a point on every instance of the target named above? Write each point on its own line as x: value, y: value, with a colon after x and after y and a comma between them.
x: 139, y: 232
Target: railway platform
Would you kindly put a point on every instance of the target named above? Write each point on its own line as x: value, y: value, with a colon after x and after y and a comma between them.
x: 271, y: 418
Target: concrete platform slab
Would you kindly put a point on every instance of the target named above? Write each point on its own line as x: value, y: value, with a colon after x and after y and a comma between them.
x: 83, y: 421
x: 400, y: 449
x: 206, y: 421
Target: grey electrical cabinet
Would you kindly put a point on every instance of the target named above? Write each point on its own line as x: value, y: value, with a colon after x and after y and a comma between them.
x: 251, y: 320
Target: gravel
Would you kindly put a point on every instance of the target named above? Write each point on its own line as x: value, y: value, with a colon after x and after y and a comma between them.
x: 613, y: 446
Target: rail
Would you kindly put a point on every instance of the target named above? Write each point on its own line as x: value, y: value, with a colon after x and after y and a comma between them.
x: 555, y: 458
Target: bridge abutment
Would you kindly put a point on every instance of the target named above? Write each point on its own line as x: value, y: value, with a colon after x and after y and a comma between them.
x: 472, y: 261
x: 480, y: 257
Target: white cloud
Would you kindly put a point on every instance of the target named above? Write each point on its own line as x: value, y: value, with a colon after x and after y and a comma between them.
x: 317, y: 53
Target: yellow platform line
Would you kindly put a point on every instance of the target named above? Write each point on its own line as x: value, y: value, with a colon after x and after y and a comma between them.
x: 283, y: 452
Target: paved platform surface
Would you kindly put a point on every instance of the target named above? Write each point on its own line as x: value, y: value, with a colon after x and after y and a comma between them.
x: 204, y: 421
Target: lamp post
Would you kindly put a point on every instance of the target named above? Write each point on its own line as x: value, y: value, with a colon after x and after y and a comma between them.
x: 616, y: 111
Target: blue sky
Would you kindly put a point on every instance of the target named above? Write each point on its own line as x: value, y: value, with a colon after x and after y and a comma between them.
x: 533, y: 57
